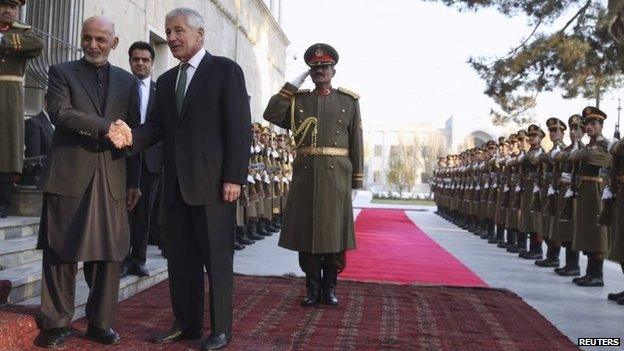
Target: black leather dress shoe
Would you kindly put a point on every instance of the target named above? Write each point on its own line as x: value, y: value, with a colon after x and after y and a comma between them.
x: 615, y: 297
x: 139, y: 270
x: 175, y: 334
x: 105, y: 336
x: 54, y: 337
x: 215, y: 342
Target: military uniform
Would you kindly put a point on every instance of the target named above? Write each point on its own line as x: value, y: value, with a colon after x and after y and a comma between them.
x: 498, y: 188
x: 327, y: 127
x: 564, y: 169
x: 548, y: 197
x: 531, y: 220
x: 590, y: 237
x: 518, y: 238
x: 616, y: 251
x: 18, y: 44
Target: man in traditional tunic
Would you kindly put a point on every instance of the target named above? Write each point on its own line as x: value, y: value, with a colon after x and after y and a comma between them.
x: 87, y: 190
x: 326, y: 125
x: 18, y: 44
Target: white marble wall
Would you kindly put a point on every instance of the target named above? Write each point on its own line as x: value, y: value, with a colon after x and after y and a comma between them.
x: 243, y: 30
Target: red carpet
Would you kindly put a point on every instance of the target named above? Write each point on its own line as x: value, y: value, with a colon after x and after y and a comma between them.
x: 391, y: 248
x: 371, y: 316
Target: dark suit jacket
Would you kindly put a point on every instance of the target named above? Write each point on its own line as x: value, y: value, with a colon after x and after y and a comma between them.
x: 38, y: 135
x: 80, y: 128
x: 209, y: 142
x: 152, y: 157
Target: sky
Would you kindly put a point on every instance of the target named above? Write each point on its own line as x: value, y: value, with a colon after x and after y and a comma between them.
x: 408, y: 58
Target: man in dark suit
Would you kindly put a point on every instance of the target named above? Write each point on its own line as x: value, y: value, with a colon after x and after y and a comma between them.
x: 202, y: 114
x: 144, y: 218
x: 38, y: 134
x: 87, y: 189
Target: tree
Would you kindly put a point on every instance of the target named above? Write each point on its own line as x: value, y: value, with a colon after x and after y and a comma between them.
x: 428, y: 148
x: 402, y: 170
x: 580, y: 58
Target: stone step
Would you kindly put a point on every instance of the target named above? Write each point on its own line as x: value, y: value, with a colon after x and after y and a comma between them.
x: 128, y: 286
x: 18, y: 322
x: 18, y: 227
x: 18, y: 251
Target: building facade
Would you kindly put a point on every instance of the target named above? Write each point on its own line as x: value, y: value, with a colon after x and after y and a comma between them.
x: 247, y: 31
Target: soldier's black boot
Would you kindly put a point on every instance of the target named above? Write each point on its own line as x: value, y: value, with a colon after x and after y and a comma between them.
x: 620, y: 295
x: 571, y: 268
x: 510, y: 239
x: 587, y: 272
x: 535, y: 249
x: 313, y: 288
x: 241, y: 236
x: 330, y: 281
x: 261, y: 228
x: 552, y: 257
x: 499, y: 237
x: 594, y: 277
x: 277, y: 222
x: 252, y: 233
x: 237, y: 245
x: 520, y: 243
x: 268, y: 227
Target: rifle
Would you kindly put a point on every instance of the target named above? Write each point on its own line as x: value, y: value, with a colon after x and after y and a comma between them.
x: 606, y: 213
x: 568, y: 205
x: 536, y: 199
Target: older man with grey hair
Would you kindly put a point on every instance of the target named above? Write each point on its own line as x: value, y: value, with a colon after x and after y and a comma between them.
x: 84, y: 217
x: 202, y: 115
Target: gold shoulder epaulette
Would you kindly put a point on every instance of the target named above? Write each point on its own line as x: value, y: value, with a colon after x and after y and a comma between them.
x: 20, y: 25
x: 302, y: 91
x: 349, y: 92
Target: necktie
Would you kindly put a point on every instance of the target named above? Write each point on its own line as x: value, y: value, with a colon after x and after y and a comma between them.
x: 181, y: 87
x: 141, y: 97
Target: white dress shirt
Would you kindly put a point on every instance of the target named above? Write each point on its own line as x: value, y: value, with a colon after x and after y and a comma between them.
x: 144, y: 91
x: 190, y: 71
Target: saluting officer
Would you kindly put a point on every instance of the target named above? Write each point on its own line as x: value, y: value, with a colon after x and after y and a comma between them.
x: 327, y: 128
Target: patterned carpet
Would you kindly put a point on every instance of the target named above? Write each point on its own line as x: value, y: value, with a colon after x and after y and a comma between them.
x: 370, y: 316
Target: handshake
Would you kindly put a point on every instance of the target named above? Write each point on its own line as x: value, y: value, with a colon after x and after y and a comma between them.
x: 120, y: 134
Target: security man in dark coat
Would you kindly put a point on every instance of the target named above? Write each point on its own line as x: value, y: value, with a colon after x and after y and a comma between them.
x: 38, y: 134
x: 18, y: 44
x: 327, y: 128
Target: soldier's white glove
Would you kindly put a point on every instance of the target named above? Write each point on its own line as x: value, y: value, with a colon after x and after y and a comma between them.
x: 258, y: 177
x: 536, y: 189
x: 267, y: 179
x: 250, y: 179
x: 551, y: 190
x: 506, y: 188
x: 569, y: 193
x: 258, y: 149
x: 297, y: 82
x: 607, y: 194
x: 518, y: 189
x: 495, y: 185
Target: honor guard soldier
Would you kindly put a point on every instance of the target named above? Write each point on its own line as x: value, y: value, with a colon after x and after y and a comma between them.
x: 590, y: 237
x: 530, y: 219
x: 516, y: 241
x: 326, y: 125
x: 548, y: 196
x: 616, y: 252
x: 564, y: 173
x: 499, y: 184
x: 18, y: 44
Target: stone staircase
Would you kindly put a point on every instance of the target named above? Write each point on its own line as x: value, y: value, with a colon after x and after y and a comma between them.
x: 20, y: 264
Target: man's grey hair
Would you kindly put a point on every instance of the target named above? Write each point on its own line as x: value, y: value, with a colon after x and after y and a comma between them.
x: 194, y: 19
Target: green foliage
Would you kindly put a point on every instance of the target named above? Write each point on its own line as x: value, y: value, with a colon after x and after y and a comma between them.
x: 580, y: 58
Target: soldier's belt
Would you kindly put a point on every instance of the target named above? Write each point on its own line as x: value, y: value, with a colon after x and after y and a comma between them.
x: 590, y: 179
x: 323, y: 151
x: 9, y: 78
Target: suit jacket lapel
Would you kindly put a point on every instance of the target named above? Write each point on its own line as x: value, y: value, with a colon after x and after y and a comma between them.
x: 87, y: 79
x: 203, y: 71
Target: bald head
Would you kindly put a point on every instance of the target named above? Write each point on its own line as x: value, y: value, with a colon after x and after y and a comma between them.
x: 98, y: 39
